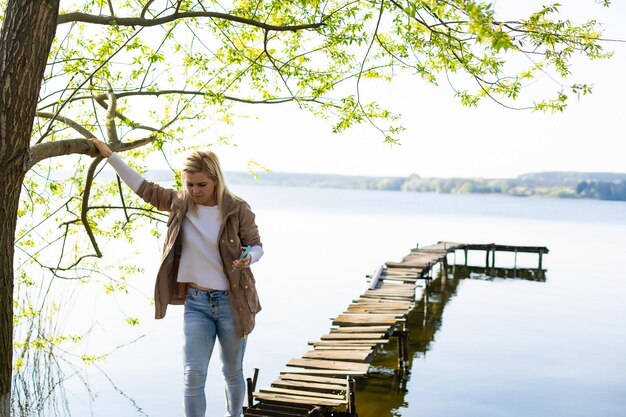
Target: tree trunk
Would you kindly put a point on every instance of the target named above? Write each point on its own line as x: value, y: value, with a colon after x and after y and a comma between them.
x: 27, y: 33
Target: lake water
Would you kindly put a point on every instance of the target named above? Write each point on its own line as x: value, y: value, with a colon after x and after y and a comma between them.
x: 499, y: 347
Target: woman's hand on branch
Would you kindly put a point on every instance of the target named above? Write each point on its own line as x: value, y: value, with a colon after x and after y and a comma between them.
x: 102, y: 147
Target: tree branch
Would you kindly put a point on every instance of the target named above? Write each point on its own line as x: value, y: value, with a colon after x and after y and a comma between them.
x: 85, y: 205
x: 119, y: 187
x: 145, y: 8
x: 46, y: 150
x: 204, y: 93
x: 89, y: 78
x: 110, y: 117
x: 100, y: 99
x: 140, y: 21
x: 111, y: 8
x: 71, y: 123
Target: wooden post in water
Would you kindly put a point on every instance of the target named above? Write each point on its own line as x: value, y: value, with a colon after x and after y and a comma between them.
x: 398, y: 334
x: 351, y: 397
x: 454, y: 271
x: 405, y: 340
x: 444, y: 272
x: 465, y: 250
x: 250, y: 391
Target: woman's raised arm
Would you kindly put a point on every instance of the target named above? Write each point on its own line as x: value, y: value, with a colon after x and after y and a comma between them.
x: 152, y: 193
x: 131, y: 177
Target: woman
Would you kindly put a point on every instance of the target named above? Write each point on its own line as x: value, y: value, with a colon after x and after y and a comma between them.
x: 207, y: 230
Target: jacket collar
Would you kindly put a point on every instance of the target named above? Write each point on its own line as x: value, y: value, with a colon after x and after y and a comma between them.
x: 230, y: 204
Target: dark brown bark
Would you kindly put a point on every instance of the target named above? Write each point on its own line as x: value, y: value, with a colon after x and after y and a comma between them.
x: 27, y: 33
x: 140, y: 21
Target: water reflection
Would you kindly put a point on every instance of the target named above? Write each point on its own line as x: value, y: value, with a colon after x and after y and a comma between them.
x: 39, y: 387
x: 383, y: 392
x: 490, y: 274
x: 44, y: 362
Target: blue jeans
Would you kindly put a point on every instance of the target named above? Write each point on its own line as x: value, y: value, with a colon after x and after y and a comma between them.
x: 208, y: 315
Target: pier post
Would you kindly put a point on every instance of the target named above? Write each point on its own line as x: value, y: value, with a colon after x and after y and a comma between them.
x: 250, y: 391
x: 399, y: 335
x: 454, y: 264
x: 465, y: 251
x: 255, y: 377
x: 405, y: 340
x: 351, y: 398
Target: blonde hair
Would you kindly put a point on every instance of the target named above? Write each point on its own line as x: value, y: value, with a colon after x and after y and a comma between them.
x: 207, y: 163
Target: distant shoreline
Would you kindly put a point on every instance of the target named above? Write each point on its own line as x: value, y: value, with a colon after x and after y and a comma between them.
x: 578, y: 185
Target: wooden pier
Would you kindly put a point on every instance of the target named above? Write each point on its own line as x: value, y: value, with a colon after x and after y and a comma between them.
x: 322, y: 381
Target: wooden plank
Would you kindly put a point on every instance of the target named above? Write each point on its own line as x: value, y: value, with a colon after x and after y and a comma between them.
x: 411, y: 277
x: 406, y: 266
x: 388, y: 297
x: 377, y: 310
x: 400, y: 279
x: 368, y: 301
x: 368, y: 343
x: 298, y: 399
x: 329, y: 365
x: 303, y: 393
x: 396, y: 271
x: 280, y: 410
x: 393, y: 293
x: 383, y: 307
x: 396, y: 286
x: 338, y: 355
x: 351, y: 347
x: 407, y: 270
x: 398, y: 293
x: 324, y: 372
x: 374, y: 319
x: 354, y: 336
x: 361, y: 329
x: 400, y: 274
x: 314, y: 378
x: 375, y: 304
x: 367, y: 315
x: 426, y: 256
x: 318, y: 386
x: 255, y: 412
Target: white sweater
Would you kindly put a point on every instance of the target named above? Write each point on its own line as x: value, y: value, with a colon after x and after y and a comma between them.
x: 200, y: 261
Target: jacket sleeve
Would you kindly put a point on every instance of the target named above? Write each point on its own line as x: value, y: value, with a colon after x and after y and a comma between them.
x: 161, y: 198
x: 131, y: 177
x: 248, y: 230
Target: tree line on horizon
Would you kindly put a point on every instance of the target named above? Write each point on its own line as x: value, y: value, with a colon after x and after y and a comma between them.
x: 603, y: 186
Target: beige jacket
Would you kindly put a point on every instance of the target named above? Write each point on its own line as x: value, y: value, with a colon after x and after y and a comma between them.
x: 238, y: 229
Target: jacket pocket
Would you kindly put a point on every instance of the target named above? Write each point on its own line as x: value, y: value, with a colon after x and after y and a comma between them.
x: 250, y: 294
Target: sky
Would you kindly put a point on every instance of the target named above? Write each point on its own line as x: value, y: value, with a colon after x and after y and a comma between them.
x: 445, y: 139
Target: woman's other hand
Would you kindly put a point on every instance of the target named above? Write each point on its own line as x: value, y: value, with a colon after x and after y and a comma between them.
x: 102, y: 147
x: 242, y: 263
